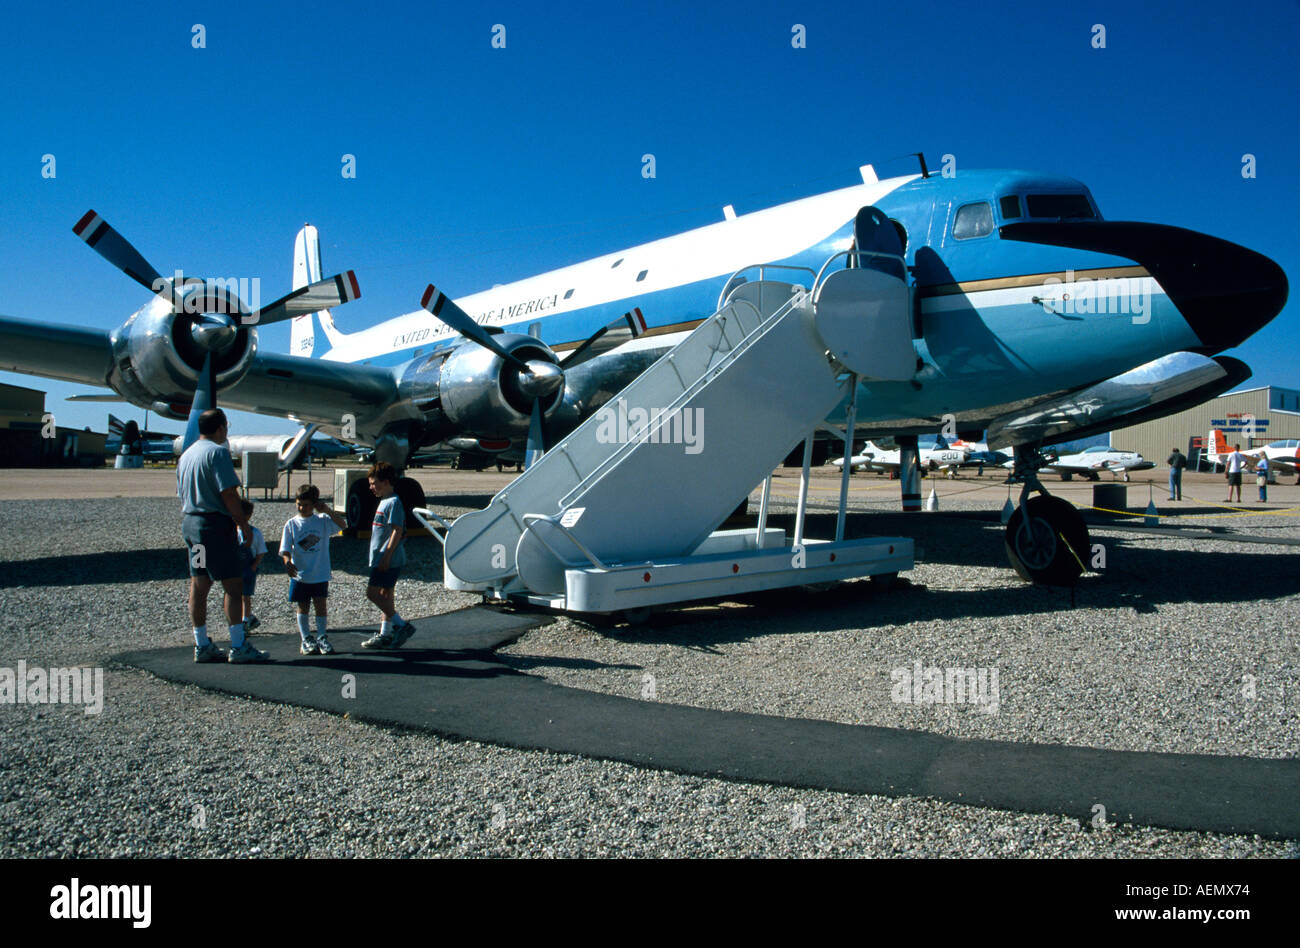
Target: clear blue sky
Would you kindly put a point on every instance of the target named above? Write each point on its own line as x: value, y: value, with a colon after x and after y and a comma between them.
x: 477, y: 165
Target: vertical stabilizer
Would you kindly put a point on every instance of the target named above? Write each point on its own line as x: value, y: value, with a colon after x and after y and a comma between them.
x: 306, y: 270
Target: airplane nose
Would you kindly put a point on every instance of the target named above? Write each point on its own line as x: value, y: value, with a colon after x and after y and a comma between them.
x: 1226, y: 292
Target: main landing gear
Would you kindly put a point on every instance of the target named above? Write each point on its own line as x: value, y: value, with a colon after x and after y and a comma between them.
x: 1046, y: 538
x: 362, y: 503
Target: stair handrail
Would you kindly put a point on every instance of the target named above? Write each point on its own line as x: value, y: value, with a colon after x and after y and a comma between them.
x: 858, y: 255
x: 690, y: 390
x: 728, y: 289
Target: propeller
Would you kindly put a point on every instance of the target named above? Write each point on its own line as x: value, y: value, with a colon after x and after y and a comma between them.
x: 215, y: 321
x: 537, y: 377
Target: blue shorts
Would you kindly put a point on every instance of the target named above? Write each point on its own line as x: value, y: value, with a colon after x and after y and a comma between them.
x: 384, y: 578
x: 211, y: 544
x: 250, y: 582
x: 305, y: 592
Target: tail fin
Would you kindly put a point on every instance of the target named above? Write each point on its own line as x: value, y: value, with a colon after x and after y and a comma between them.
x: 115, y: 427
x: 1215, y: 443
x: 306, y: 270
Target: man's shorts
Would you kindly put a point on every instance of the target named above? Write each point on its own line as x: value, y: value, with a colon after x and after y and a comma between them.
x: 250, y: 582
x: 384, y: 578
x: 306, y: 592
x: 1234, y: 479
x: 212, y: 545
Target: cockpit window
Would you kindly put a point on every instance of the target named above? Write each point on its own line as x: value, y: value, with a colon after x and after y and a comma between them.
x: 973, y: 220
x: 1010, y: 207
x: 1058, y: 206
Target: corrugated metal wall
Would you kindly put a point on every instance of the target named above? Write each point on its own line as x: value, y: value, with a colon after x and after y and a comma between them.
x: 1155, y: 439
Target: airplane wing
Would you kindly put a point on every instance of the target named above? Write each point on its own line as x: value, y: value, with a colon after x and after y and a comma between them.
x: 313, y: 391
x: 308, y: 390
x: 68, y: 353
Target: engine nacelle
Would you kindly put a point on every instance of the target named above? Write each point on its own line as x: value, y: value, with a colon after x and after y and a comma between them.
x: 158, y: 352
x: 484, y: 395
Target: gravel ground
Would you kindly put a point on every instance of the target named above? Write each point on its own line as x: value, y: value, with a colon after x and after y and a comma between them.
x: 1151, y: 659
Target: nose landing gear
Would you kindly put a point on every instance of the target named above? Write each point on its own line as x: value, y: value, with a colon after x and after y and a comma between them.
x: 1046, y: 538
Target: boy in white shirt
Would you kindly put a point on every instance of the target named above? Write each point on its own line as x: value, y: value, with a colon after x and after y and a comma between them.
x: 250, y: 558
x: 305, y: 549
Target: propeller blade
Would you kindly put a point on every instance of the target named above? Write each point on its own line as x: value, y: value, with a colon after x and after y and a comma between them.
x: 436, y: 302
x: 624, y: 329
x: 332, y: 291
x: 536, y: 445
x: 115, y: 248
x: 205, y: 397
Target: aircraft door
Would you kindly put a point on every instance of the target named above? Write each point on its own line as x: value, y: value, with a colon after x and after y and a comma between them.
x: 877, y: 239
x: 863, y: 313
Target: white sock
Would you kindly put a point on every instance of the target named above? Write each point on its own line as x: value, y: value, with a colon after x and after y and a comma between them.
x: 320, y: 625
x: 237, y: 636
x: 397, y: 620
x: 304, y: 629
x: 386, y: 627
x: 201, y: 635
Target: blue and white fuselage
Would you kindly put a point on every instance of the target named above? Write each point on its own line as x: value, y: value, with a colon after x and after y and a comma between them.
x: 1000, y: 322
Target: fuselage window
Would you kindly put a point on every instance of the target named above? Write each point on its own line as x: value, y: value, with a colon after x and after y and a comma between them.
x: 1058, y: 206
x: 1010, y: 207
x: 973, y: 220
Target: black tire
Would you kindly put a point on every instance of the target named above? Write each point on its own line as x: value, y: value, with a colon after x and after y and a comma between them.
x: 1067, y: 475
x: 411, y: 493
x: 1053, y: 548
x: 359, y: 510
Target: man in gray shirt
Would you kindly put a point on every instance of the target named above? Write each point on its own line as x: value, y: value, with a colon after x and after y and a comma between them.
x: 209, y: 492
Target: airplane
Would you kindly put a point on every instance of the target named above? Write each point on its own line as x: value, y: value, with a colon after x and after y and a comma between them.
x: 1090, y: 462
x: 1025, y: 314
x: 158, y: 446
x: 150, y: 445
x: 979, y: 454
x: 888, y: 461
x: 1282, y: 455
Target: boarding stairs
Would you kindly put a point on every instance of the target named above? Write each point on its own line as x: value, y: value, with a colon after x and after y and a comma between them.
x: 621, y: 515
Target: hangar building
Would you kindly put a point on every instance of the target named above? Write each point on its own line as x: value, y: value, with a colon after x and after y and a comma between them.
x: 1252, y: 418
x: 26, y: 440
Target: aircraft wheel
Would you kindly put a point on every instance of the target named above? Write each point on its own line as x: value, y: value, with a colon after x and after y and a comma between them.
x: 638, y: 616
x: 884, y: 581
x: 411, y: 493
x: 360, y: 508
x: 1067, y: 475
x: 1053, y: 545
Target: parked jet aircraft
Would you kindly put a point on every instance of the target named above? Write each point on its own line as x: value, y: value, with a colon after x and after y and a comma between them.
x: 1282, y: 455
x: 1027, y: 314
x: 888, y: 461
x: 1090, y: 462
x: 157, y: 446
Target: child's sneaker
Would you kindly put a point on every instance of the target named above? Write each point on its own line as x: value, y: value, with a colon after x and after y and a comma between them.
x: 323, y: 645
x: 309, y: 646
x: 401, y: 633
x: 251, y: 623
x: 209, y: 653
x: 378, y: 640
x: 246, y: 654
